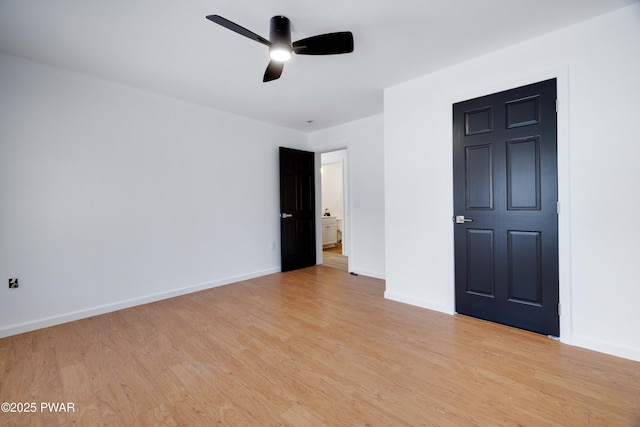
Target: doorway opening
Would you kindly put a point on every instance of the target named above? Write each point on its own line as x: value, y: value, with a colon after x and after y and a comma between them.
x: 334, y: 209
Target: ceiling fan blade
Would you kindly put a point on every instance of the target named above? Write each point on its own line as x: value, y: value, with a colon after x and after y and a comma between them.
x: 238, y: 29
x: 325, y: 44
x: 273, y: 71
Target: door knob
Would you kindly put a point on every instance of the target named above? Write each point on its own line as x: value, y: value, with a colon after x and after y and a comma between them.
x: 285, y: 215
x: 460, y: 219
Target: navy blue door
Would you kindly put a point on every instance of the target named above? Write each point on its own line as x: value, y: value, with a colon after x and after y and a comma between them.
x: 505, y: 207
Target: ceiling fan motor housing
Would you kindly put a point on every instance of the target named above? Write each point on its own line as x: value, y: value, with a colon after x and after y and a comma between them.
x: 280, y: 33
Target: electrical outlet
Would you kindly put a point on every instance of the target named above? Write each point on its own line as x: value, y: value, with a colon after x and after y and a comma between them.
x: 13, y: 282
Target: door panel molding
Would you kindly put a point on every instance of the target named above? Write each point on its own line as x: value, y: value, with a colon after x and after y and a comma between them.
x: 479, y: 177
x: 523, y: 173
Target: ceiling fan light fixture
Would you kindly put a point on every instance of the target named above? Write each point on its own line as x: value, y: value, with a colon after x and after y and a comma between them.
x: 280, y: 53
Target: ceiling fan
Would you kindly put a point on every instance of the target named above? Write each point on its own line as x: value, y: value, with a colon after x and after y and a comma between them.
x: 281, y: 48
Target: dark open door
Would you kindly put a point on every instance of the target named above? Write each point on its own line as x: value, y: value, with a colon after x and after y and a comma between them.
x: 297, y: 209
x: 505, y: 201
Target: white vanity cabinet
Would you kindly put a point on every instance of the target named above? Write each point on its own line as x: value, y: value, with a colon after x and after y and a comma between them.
x: 329, y: 231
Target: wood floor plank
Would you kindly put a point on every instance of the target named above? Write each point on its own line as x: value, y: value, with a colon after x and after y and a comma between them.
x: 156, y: 417
x: 316, y: 346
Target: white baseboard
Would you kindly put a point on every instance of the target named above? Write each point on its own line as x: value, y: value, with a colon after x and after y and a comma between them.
x: 606, y: 347
x: 46, y: 322
x: 431, y: 305
x: 374, y: 274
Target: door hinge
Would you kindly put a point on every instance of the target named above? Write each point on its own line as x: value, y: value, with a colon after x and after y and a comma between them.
x: 558, y: 207
x: 557, y: 103
x: 559, y: 309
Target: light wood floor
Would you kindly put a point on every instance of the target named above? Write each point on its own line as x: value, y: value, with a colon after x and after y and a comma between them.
x: 307, y: 348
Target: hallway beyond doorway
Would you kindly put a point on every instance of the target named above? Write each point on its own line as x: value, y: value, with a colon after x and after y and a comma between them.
x: 333, y: 258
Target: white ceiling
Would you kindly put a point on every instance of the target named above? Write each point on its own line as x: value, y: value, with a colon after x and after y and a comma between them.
x: 168, y: 47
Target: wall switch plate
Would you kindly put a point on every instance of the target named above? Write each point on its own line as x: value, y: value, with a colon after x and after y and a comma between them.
x: 13, y: 283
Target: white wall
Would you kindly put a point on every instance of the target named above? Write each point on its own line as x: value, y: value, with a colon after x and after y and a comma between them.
x: 365, y: 180
x: 111, y: 196
x: 332, y: 188
x: 597, y: 64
